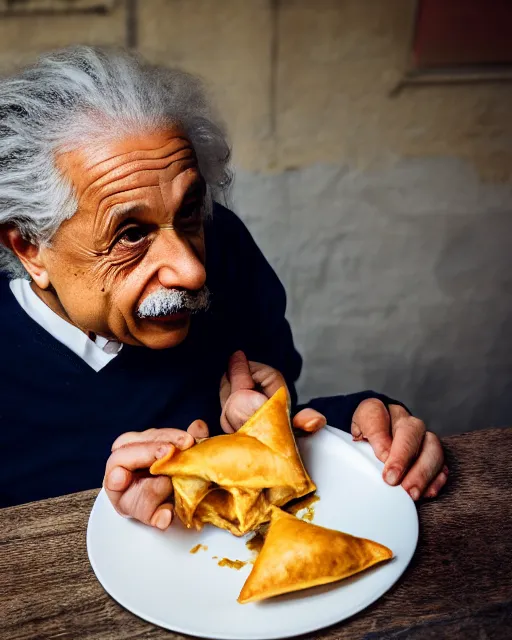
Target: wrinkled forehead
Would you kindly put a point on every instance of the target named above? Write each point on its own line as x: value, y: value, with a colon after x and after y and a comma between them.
x: 100, y: 167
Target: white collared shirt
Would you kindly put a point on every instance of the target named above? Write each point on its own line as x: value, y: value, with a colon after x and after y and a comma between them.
x: 96, y: 353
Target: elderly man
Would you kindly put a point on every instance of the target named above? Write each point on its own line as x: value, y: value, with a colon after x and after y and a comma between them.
x: 136, y: 310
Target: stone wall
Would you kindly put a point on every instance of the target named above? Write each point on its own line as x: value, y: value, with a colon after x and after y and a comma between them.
x: 388, y: 219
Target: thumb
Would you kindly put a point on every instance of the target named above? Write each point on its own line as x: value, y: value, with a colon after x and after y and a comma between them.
x: 371, y: 422
x: 239, y: 374
x: 239, y: 407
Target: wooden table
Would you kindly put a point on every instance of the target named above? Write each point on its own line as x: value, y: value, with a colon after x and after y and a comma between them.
x: 458, y: 586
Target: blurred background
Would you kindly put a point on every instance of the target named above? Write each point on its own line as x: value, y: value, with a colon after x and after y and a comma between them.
x: 372, y: 145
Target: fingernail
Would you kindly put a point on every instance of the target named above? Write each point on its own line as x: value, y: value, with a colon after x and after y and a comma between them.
x: 314, y: 424
x: 392, y: 476
x: 445, y: 470
x: 384, y: 456
x: 414, y: 492
x: 163, y: 519
x: 162, y: 451
x: 116, y: 479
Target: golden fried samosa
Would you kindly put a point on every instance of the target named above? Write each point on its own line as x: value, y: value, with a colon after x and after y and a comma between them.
x: 231, y: 481
x: 297, y: 555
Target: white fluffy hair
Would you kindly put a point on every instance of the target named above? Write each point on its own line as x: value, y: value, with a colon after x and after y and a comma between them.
x: 81, y: 93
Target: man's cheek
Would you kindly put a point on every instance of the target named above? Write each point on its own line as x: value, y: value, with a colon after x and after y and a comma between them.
x: 198, y: 245
x: 122, y: 302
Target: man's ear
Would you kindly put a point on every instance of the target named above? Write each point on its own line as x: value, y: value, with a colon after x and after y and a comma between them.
x: 29, y: 254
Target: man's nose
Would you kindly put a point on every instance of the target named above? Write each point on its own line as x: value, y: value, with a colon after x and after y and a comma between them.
x: 181, y: 261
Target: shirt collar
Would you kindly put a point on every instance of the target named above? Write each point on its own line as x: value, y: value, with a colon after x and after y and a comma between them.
x: 96, y: 353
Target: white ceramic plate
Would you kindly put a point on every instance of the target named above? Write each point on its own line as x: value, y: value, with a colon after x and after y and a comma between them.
x: 154, y: 575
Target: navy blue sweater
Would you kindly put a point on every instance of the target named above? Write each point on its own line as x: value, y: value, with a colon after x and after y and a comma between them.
x: 58, y: 417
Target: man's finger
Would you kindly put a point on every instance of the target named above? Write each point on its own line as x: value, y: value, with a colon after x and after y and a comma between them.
x: 198, y: 430
x: 426, y: 468
x: 177, y: 437
x: 118, y: 479
x: 146, y: 500
x: 397, y: 412
x: 371, y: 422
x: 137, y: 456
x: 409, y: 434
x: 162, y: 517
x: 131, y: 492
x: 437, y: 484
x: 269, y: 379
x: 239, y: 373
x: 309, y: 420
x: 225, y: 390
x: 239, y: 407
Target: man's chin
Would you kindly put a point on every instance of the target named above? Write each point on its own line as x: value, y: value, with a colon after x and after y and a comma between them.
x: 163, y: 333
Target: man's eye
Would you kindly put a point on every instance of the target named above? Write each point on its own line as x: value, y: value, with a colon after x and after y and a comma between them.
x: 191, y: 215
x: 133, y: 235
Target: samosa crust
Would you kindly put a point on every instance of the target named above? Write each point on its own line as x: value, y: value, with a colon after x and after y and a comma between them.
x: 231, y: 481
x: 297, y: 555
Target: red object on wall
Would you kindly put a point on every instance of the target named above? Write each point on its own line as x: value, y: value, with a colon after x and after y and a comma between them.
x: 455, y: 33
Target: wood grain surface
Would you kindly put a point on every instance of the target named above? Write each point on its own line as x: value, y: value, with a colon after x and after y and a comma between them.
x: 458, y: 586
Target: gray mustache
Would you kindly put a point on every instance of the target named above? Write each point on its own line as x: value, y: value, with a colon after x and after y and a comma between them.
x: 164, y: 302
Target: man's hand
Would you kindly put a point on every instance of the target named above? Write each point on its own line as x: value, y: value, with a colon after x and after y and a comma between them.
x: 412, y: 455
x: 247, y: 386
x: 132, y: 490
